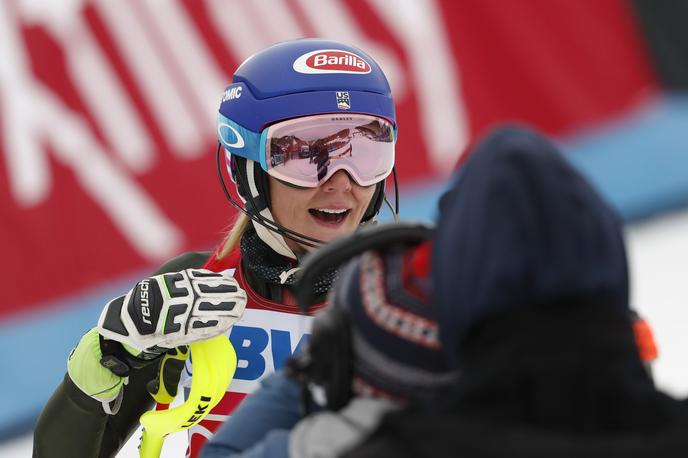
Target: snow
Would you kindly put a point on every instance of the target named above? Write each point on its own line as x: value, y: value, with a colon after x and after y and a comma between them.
x: 658, y: 257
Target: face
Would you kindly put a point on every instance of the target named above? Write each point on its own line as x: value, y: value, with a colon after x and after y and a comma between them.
x: 333, y: 209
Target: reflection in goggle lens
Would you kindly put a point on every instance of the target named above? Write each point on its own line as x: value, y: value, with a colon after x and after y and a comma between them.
x: 306, y: 151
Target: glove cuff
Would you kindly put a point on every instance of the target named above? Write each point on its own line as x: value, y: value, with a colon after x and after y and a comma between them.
x: 145, y: 355
x: 120, y: 357
x: 86, y: 372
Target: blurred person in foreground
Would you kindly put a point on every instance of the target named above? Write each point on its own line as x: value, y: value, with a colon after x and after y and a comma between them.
x: 530, y: 281
x: 307, y: 131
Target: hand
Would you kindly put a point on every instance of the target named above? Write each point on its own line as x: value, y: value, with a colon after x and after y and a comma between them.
x: 100, y: 368
x: 164, y: 387
x: 172, y: 310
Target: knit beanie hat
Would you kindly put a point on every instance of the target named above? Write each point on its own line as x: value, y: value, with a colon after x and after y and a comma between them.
x: 395, y: 343
x: 521, y: 227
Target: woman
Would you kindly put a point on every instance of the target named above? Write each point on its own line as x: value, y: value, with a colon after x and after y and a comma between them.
x: 288, y: 107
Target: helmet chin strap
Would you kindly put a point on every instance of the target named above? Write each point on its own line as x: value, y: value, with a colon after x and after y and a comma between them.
x: 272, y: 238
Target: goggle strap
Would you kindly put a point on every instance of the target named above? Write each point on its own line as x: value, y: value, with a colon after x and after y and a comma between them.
x: 262, y: 155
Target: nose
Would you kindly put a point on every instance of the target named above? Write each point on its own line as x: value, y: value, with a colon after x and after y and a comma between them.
x: 340, y: 181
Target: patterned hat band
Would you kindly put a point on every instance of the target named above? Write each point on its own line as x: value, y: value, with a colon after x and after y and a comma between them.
x: 395, y: 341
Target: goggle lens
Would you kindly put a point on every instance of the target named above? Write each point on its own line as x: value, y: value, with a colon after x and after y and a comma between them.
x: 307, y: 151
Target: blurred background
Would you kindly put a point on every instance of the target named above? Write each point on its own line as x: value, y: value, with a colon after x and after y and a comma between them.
x: 107, y: 140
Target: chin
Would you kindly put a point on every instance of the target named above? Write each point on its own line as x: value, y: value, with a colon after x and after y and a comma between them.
x: 327, y: 234
x: 339, y: 232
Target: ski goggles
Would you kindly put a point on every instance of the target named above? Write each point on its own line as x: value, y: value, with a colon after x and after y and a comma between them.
x: 307, y: 151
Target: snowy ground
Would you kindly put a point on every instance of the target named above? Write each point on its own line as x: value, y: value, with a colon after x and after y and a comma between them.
x: 658, y: 253
x: 174, y: 447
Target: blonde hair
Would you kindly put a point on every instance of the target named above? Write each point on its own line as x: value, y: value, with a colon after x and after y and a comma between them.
x: 233, y: 237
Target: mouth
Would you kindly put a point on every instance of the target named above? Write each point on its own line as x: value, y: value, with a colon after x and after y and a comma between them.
x: 329, y: 216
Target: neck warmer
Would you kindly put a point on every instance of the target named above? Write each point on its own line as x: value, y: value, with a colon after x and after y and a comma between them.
x: 273, y: 268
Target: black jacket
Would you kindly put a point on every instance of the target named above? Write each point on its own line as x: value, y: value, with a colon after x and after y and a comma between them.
x: 560, y: 383
x: 73, y: 425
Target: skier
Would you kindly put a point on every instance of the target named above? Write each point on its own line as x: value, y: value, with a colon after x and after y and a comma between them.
x: 290, y: 90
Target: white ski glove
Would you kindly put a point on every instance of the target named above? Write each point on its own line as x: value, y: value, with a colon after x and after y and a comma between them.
x: 175, y: 309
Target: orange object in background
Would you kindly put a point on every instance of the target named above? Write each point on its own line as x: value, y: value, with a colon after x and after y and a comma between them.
x: 645, y: 340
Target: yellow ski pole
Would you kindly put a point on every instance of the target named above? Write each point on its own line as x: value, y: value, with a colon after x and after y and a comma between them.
x: 214, y: 363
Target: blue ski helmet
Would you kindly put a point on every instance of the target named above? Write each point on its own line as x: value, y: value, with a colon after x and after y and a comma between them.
x: 301, y: 78
x: 288, y: 80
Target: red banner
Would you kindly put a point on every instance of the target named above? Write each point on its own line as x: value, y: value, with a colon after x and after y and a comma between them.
x: 107, y: 108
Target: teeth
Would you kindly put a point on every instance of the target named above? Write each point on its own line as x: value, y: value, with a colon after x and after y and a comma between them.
x: 334, y: 212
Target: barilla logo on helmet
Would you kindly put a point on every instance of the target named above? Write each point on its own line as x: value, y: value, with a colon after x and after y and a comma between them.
x: 331, y: 61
